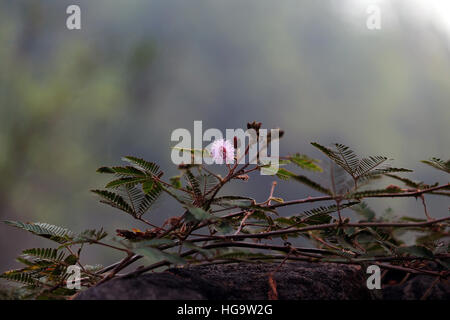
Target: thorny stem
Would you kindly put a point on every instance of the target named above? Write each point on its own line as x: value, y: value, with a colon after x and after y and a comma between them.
x: 134, y: 258
x: 111, y: 246
x: 147, y: 222
x: 307, y: 253
x: 248, y: 214
x: 110, y: 267
x: 272, y: 189
x: 428, y: 292
x: 301, y: 251
x: 415, y: 193
x: 316, y: 227
x: 326, y: 226
x: 324, y: 242
x: 425, y: 207
x: 116, y: 269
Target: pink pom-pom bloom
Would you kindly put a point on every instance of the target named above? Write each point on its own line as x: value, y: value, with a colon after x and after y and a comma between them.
x: 222, y: 151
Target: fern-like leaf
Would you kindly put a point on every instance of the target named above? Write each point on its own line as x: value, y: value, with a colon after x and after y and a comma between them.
x: 348, y: 158
x: 438, y: 164
x: 19, y: 277
x: 305, y: 162
x: 89, y: 236
x: 150, y: 168
x: 286, y: 175
x: 371, y: 193
x: 52, y: 232
x: 324, y: 210
x: 378, y: 173
x: 336, y: 157
x: 312, y: 184
x: 234, y: 201
x: 126, y: 181
x: 194, y: 184
x: 148, y: 200
x: 114, y: 200
x: 342, y: 156
x: 207, y: 182
x: 45, y: 254
x: 366, y: 165
x: 365, y: 211
x: 127, y: 171
x: 406, y: 181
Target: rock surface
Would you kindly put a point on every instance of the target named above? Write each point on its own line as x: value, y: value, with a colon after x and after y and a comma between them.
x: 247, y: 281
x: 300, y: 280
x: 416, y: 288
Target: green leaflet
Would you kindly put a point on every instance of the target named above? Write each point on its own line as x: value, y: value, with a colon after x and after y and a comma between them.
x: 205, y: 252
x: 151, y: 243
x: 369, y: 193
x: 194, y: 184
x: 324, y: 210
x: 365, y: 211
x: 122, y: 171
x: 406, y: 181
x: 438, y: 164
x: 45, y: 230
x: 365, y: 168
x: 234, y: 201
x: 127, y: 181
x: 45, y: 254
x: 154, y: 255
x: 286, y: 175
x: 19, y: 277
x: 305, y: 162
x: 224, y: 227
x: 139, y: 201
x: 312, y: 184
x: 342, y: 156
x: 128, y: 197
x: 151, y: 194
x: 88, y: 236
x: 176, y: 182
x: 197, y: 214
x: 150, y: 168
x: 114, y: 200
x: 416, y: 251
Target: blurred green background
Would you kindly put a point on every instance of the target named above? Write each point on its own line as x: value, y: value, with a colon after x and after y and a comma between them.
x: 74, y: 100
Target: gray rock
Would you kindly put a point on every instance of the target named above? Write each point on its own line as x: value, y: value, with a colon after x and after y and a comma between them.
x: 416, y: 287
x: 294, y: 281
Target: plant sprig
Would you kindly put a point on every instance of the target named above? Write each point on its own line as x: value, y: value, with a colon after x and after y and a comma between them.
x: 213, y: 228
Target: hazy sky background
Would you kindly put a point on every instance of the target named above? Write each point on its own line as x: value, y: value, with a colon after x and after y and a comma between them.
x: 72, y: 101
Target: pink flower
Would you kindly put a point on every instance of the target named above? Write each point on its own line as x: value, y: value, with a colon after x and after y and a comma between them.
x: 222, y: 150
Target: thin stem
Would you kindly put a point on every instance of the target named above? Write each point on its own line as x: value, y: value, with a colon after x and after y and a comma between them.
x: 248, y: 214
x: 111, y: 246
x: 430, y: 289
x: 112, y: 266
x: 425, y: 208
x: 212, y: 173
x: 116, y: 269
x: 416, y: 193
x: 148, y: 222
x: 326, y: 226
